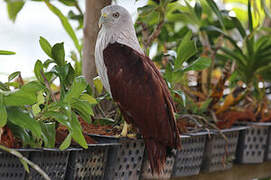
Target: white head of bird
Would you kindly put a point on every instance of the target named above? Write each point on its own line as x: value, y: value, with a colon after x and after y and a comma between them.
x: 117, y: 25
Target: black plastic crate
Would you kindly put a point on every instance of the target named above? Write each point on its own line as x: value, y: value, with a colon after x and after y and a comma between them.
x: 188, y: 160
x: 218, y: 154
x: 52, y: 161
x: 11, y: 167
x: 124, y: 161
x: 268, y: 146
x: 165, y: 174
x: 88, y: 163
x: 252, y: 143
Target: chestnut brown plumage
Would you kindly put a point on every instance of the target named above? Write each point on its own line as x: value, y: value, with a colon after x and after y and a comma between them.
x: 138, y: 88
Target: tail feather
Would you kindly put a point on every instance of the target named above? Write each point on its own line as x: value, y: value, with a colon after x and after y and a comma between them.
x: 156, y: 154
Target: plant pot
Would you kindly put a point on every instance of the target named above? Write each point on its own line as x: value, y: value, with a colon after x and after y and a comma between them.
x: 52, y: 161
x: 218, y: 154
x: 188, y: 160
x: 10, y: 166
x: 124, y: 161
x: 165, y: 174
x: 88, y: 163
x: 252, y: 143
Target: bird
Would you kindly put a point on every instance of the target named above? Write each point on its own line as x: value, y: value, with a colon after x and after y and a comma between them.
x: 136, y: 85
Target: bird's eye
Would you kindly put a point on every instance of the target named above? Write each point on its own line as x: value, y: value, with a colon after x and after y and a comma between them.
x: 116, y: 15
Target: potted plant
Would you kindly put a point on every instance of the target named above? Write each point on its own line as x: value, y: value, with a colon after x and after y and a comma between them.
x: 35, y: 116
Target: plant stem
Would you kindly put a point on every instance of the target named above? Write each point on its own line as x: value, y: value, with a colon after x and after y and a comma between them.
x: 22, y: 158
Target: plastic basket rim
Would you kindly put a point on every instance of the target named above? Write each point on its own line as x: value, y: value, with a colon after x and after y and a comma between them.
x: 65, y: 150
x: 249, y: 124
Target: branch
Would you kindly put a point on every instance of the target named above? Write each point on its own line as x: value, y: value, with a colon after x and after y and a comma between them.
x: 24, y: 159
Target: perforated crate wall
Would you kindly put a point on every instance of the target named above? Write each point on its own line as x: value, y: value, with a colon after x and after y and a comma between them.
x: 124, y: 161
x: 165, y: 174
x: 219, y: 155
x: 53, y: 162
x: 10, y: 166
x: 252, y: 145
x: 188, y: 160
x: 88, y: 164
x: 268, y: 146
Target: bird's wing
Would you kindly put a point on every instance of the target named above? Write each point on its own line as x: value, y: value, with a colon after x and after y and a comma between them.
x: 142, y: 94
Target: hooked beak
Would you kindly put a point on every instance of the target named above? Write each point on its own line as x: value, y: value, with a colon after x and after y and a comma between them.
x: 102, y: 19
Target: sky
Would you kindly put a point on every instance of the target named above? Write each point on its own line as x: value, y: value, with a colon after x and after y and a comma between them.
x: 33, y: 21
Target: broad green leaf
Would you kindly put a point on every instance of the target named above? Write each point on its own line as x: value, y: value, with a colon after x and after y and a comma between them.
x: 186, y: 49
x: 98, y: 84
x: 14, y: 7
x: 60, y: 117
x: 46, y: 47
x: 67, y: 142
x: 198, y: 10
x: 40, y: 100
x: 199, y: 64
x: 4, y: 52
x: 215, y: 9
x: 58, y: 54
x: 3, y: 112
x: 83, y: 108
x: 38, y: 69
x: 78, y: 86
x: 23, y: 119
x: 24, y: 96
x: 77, y: 132
x: 48, y: 134
x: 90, y: 99
x: 13, y: 75
x: 65, y: 24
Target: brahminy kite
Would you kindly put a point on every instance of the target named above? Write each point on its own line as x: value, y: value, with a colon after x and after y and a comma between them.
x: 135, y: 84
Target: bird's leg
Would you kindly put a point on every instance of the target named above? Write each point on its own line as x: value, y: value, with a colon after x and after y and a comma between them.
x: 125, y: 130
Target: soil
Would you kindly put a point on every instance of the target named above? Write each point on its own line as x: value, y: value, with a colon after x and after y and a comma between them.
x: 8, y: 139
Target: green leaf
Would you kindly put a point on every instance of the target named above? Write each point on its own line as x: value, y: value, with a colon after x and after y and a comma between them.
x: 98, y: 84
x: 250, y: 20
x: 90, y: 99
x: 48, y: 134
x: 198, y: 10
x: 14, y: 7
x: 239, y: 26
x: 68, y: 2
x: 60, y: 117
x: 77, y: 132
x: 78, y: 86
x: 58, y: 54
x: 24, y: 163
x: 65, y: 23
x: 4, y: 52
x: 24, y: 96
x: 186, y: 49
x: 38, y: 69
x: 84, y: 109
x: 199, y: 64
x: 3, y: 112
x: 45, y: 46
x: 13, y: 75
x: 23, y: 119
x: 67, y: 142
x: 215, y: 9
x: 204, y: 105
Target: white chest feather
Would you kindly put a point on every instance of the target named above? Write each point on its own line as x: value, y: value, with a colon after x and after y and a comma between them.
x: 104, y: 38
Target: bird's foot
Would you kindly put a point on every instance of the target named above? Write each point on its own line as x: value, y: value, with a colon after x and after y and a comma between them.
x: 125, y: 130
